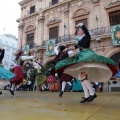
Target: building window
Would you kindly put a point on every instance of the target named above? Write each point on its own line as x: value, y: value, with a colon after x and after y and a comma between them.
x: 7, y: 49
x: 53, y: 32
x: 6, y: 42
x: 114, y: 18
x: 84, y: 21
x: 30, y: 38
x: 53, y: 2
x: 0, y: 41
x: 32, y: 9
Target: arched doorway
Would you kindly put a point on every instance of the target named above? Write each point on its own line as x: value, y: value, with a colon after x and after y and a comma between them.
x: 116, y: 58
x: 115, y: 82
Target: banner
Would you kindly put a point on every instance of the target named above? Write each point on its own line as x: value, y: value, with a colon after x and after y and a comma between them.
x: 115, y: 34
x: 50, y: 45
x: 25, y: 48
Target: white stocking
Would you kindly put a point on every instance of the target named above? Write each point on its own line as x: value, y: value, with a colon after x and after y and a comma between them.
x: 12, y: 86
x: 43, y: 87
x: 89, y: 86
x: 85, y: 89
x: 63, y: 85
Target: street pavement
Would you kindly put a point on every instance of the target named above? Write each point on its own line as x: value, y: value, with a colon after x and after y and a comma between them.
x: 35, y: 105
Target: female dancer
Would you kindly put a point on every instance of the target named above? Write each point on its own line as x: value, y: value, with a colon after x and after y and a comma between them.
x: 17, y: 70
x: 86, y: 65
x: 4, y: 74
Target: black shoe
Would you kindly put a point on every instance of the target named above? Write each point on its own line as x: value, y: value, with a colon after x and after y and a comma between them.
x: 41, y: 91
x: 61, y: 93
x: 84, y: 100
x: 82, y: 97
x: 0, y: 92
x: 12, y: 92
x: 95, y: 96
x: 91, y: 97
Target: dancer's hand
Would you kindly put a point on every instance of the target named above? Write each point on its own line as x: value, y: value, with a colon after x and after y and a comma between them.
x: 65, y: 50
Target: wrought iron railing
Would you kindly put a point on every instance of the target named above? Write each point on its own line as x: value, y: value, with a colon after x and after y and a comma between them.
x: 100, y: 31
x: 31, y: 44
x: 62, y: 39
x: 71, y: 38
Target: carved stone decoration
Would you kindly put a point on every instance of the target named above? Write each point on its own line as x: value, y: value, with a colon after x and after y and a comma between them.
x: 113, y: 3
x: 41, y: 18
x: 22, y: 8
x: 80, y: 12
x: 95, y: 1
x: 30, y: 28
x: 21, y: 25
x: 80, y: 3
x: 66, y: 10
x: 53, y: 20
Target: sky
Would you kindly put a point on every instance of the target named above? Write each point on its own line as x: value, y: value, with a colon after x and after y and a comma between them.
x: 9, y: 12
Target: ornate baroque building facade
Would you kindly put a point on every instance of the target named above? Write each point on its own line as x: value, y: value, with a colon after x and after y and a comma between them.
x: 42, y: 20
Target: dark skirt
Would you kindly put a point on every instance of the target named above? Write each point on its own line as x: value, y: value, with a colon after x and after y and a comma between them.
x: 65, y: 77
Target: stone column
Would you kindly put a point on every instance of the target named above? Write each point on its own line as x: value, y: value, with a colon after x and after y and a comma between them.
x: 20, y: 35
x: 40, y: 30
x: 66, y: 21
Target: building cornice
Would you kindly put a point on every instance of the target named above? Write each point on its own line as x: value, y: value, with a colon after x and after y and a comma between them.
x: 27, y: 16
x: 56, y: 5
x: 112, y: 4
x: 24, y: 2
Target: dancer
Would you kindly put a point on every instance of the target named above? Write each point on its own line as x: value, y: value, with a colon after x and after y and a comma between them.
x: 33, y: 70
x: 86, y: 65
x: 76, y: 85
x: 64, y: 78
x: 17, y: 70
x: 5, y: 75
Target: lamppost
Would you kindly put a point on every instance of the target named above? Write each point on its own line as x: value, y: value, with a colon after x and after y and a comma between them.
x: 64, y: 31
x: 97, y: 21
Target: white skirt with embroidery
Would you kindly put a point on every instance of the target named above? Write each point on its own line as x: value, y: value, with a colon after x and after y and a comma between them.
x: 96, y: 72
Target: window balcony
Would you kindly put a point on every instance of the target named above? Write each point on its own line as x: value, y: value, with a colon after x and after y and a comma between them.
x: 71, y: 38
x: 31, y: 44
x: 100, y: 31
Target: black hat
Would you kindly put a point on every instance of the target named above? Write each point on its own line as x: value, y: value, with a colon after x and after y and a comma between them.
x: 61, y: 48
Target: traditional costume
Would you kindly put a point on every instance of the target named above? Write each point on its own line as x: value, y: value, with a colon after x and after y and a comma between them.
x: 64, y: 78
x: 17, y: 70
x: 86, y: 61
x: 5, y: 75
x: 76, y: 85
x: 32, y: 69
